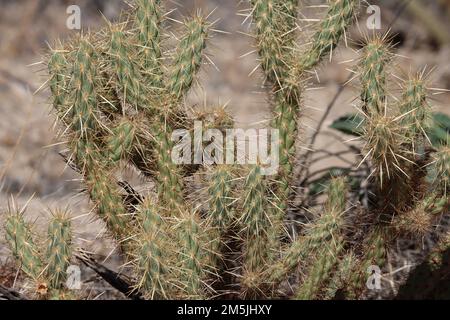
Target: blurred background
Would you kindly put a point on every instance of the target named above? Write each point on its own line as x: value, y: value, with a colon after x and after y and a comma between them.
x: 30, y: 166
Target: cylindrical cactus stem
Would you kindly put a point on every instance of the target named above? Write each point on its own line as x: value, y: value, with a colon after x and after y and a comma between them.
x: 385, y: 147
x: 189, y: 56
x: 148, y: 20
x: 170, y: 184
x: 417, y: 117
x: 269, y: 38
x: 259, y: 232
x: 342, y: 276
x: 191, y: 236
x: 121, y: 141
x: 320, y: 271
x: 83, y: 119
x: 375, y: 255
x: 108, y: 200
x: 59, y: 249
x: 339, y: 17
x: 256, y: 222
x: 221, y: 199
x: 275, y: 24
x: 20, y: 241
x: 152, y: 257
x: 337, y: 196
x: 84, y: 98
x: 376, y: 56
x: 127, y: 73
x: 324, y: 230
x: 59, y: 78
x: 221, y: 211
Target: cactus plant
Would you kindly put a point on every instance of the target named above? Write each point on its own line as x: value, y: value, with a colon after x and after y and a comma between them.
x: 45, y: 267
x: 120, y: 93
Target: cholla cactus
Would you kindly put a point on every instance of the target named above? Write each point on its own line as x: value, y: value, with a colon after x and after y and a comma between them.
x: 120, y: 93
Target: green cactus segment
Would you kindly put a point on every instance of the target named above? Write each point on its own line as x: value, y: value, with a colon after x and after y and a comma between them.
x: 220, y: 201
x: 221, y: 214
x: 417, y: 113
x: 342, y: 276
x: 376, y: 56
x: 189, y: 56
x: 126, y: 71
x: 340, y: 15
x: 58, y: 250
x: 170, y: 184
x: 337, y: 190
x: 191, y: 237
x: 84, y: 98
x: 275, y: 24
x: 269, y: 39
x: 152, y: 260
x: 385, y: 146
x: 109, y: 202
x: 57, y: 66
x: 286, y: 121
x: 384, y: 140
x: 121, y: 141
x: 320, y: 272
x: 375, y: 255
x: 82, y: 114
x: 19, y: 238
x: 326, y: 229
x: 256, y: 222
x: 148, y: 20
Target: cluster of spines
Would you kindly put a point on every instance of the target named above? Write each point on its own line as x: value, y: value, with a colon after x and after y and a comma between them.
x: 19, y: 237
x: 193, y: 254
x: 189, y: 56
x: 269, y: 38
x: 57, y: 65
x: 152, y: 265
x: 339, y: 17
x: 59, y: 249
x: 121, y: 142
x: 127, y: 72
x: 376, y: 56
x: 148, y: 21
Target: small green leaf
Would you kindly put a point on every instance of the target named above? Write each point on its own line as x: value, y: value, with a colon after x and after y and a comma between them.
x: 351, y: 124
